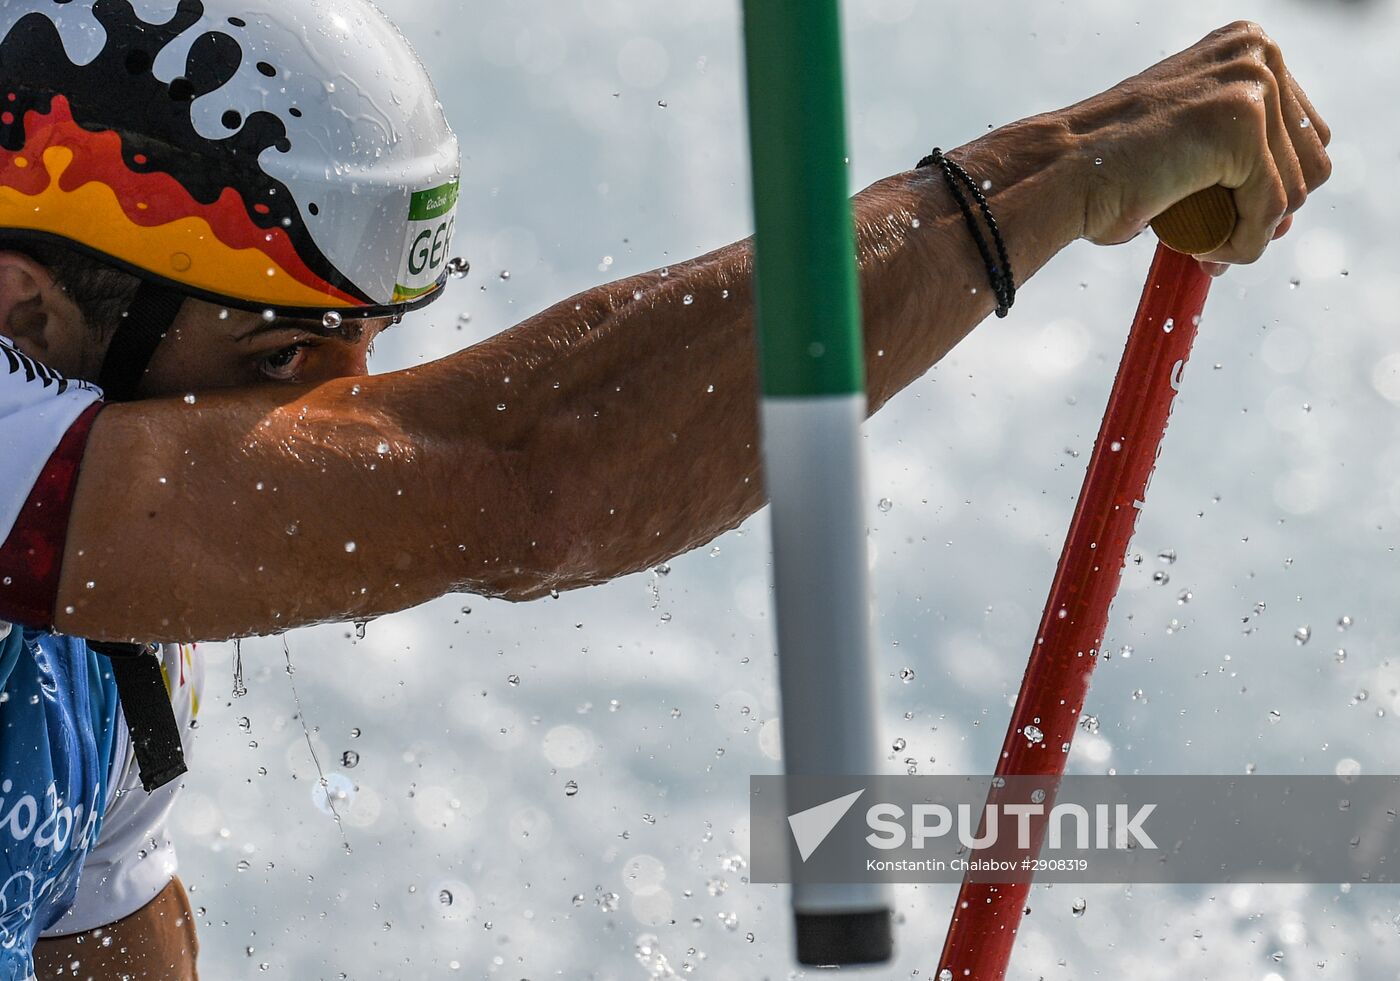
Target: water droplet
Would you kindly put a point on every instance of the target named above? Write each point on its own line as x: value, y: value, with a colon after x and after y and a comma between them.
x: 1139, y: 695
x: 1090, y: 724
x: 1304, y: 123
x: 571, y: 788
x: 360, y: 627
x: 687, y: 299
x: 1183, y: 597
x: 899, y: 744
x: 1293, y: 284
x: 1341, y: 655
x: 1033, y: 735
x: 350, y: 546
x: 945, y: 975
x: 513, y: 680
x: 1079, y: 906
x: 349, y: 759
x: 190, y: 399
x: 458, y: 267
x: 505, y: 275
x: 906, y: 675
x: 445, y: 897
x: 1167, y: 556
x: 269, y: 316
x: 332, y: 320
x: 1275, y: 715
x: 1161, y: 578
x: 1302, y: 635
x: 661, y: 103
x: 885, y: 505
x: 334, y: 791
x: 1343, y: 622
x: 1168, y: 325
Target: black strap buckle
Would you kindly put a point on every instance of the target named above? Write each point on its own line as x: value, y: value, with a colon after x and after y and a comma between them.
x: 150, y: 718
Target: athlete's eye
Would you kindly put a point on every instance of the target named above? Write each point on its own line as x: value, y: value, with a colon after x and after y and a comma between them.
x: 282, y: 364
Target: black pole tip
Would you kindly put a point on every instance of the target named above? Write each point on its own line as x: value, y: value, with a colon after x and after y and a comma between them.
x: 840, y: 939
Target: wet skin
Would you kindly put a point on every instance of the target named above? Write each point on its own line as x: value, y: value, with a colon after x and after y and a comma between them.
x: 617, y: 428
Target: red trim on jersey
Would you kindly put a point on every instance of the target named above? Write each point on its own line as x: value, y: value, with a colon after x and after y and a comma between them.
x: 32, y: 556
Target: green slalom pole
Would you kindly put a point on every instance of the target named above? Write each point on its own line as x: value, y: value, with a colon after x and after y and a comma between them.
x: 812, y: 368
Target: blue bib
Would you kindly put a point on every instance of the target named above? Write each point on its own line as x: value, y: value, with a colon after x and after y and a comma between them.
x: 58, y: 713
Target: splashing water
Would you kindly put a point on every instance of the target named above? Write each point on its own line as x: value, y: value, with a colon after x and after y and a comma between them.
x: 338, y: 786
x: 239, y: 688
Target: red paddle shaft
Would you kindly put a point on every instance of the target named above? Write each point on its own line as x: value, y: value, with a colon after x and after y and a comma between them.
x: 1071, y: 630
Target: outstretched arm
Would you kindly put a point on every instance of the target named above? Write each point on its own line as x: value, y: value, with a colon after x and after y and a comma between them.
x: 619, y: 427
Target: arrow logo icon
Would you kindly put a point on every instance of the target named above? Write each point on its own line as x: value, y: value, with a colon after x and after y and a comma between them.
x: 810, y: 827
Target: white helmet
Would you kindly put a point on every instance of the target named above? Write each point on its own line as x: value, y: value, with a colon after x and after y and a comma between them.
x: 288, y: 155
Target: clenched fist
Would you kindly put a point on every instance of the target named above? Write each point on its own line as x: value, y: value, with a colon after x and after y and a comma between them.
x: 1225, y: 111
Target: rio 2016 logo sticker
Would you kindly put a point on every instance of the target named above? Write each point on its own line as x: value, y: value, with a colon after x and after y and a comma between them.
x: 432, y: 217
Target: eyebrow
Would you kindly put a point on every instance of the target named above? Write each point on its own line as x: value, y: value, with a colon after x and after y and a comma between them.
x: 349, y: 329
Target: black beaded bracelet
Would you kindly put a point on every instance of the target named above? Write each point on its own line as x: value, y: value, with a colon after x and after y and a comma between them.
x: 999, y: 273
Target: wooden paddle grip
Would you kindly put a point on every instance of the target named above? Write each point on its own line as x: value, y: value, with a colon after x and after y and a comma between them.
x: 1199, y: 224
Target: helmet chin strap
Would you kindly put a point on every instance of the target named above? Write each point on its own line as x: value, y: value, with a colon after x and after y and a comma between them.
x: 136, y: 668
x: 144, y: 325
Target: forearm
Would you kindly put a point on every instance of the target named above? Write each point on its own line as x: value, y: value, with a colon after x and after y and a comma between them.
x: 608, y: 433
x: 638, y: 400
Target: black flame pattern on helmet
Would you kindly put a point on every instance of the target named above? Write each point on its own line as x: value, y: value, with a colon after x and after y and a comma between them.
x: 118, y: 91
